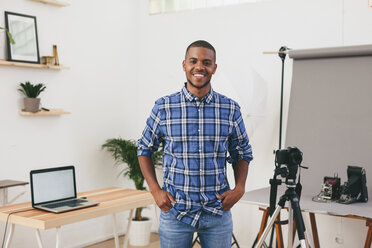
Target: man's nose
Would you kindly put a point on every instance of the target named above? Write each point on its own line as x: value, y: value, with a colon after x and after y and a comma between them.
x: 199, y: 65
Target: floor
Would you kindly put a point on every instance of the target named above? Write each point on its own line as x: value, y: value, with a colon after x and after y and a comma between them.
x: 154, y: 243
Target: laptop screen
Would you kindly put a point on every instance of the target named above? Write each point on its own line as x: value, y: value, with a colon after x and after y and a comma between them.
x: 52, y: 184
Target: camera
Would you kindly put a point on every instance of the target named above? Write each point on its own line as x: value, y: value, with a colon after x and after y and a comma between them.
x: 327, y: 191
x: 292, y: 158
x: 355, y: 189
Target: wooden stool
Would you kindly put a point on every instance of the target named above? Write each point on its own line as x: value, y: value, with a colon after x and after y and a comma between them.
x: 278, y: 228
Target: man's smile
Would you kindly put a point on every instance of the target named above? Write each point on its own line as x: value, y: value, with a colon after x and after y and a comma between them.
x: 199, y: 74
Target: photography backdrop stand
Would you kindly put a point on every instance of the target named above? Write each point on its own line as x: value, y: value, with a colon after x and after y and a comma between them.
x: 274, y: 182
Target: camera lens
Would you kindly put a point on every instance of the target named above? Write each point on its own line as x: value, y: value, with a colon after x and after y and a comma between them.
x: 295, y: 156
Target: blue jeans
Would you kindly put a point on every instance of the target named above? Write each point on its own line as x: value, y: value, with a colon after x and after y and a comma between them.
x: 214, y: 231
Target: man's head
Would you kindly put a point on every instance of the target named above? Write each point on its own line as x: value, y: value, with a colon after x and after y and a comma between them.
x: 202, y: 43
x: 199, y: 65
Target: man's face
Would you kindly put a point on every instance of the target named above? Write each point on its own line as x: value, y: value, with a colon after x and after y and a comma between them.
x: 199, y: 66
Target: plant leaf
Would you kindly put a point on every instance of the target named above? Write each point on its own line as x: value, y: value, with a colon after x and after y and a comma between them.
x: 9, y: 35
x: 30, y: 90
x: 124, y: 153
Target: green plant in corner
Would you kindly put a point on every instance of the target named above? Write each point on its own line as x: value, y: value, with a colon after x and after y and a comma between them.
x: 31, y: 90
x: 9, y: 35
x: 125, y: 152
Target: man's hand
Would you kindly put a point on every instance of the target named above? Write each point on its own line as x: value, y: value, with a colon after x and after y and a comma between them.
x: 163, y: 199
x: 230, y: 197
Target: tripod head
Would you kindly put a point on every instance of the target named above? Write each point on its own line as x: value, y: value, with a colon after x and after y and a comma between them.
x: 283, y: 55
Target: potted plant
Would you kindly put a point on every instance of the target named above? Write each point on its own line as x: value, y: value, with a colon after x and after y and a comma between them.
x: 31, y: 92
x: 9, y: 35
x: 125, y: 152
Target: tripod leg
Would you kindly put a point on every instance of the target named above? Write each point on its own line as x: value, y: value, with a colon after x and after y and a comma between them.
x: 196, y: 240
x: 268, y: 227
x: 294, y: 229
x: 299, y: 221
x: 234, y: 242
x: 290, y: 225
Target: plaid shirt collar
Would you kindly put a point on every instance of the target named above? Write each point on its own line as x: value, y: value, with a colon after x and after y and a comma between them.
x: 189, y: 96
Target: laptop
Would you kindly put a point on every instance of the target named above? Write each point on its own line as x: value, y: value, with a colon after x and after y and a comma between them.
x: 54, y: 190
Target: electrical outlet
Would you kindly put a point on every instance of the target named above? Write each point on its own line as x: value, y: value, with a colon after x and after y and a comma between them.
x: 339, y: 239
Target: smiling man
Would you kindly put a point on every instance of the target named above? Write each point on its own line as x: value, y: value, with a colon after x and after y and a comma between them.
x: 197, y: 128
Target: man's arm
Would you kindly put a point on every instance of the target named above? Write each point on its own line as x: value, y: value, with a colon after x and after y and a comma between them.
x: 162, y: 198
x: 240, y: 155
x: 231, y: 197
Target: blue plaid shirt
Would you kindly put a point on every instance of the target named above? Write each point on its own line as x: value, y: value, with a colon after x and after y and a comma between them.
x: 196, y: 135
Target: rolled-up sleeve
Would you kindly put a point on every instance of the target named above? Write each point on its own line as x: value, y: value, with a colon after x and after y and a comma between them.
x: 239, y: 147
x: 151, y: 135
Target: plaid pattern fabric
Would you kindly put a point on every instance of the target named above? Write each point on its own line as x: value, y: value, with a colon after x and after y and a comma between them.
x: 196, y: 136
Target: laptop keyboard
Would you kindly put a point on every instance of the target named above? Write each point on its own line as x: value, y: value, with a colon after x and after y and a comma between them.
x: 70, y: 203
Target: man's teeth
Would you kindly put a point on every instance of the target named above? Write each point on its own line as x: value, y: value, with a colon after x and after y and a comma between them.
x: 198, y: 75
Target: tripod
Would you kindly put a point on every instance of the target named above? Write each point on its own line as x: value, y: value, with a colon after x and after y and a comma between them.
x: 290, y: 195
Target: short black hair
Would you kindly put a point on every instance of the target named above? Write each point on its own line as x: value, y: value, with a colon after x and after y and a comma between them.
x: 202, y: 43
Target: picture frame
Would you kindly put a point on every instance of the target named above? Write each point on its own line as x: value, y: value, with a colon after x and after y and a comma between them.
x: 24, y: 31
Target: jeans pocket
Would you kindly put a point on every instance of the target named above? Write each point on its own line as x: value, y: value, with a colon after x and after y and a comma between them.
x: 166, y: 215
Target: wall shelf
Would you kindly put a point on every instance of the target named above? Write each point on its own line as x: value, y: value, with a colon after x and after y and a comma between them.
x: 53, y: 2
x: 31, y: 65
x: 51, y: 112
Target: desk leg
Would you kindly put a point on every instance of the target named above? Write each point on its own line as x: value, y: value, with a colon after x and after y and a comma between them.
x: 10, y: 236
x: 308, y: 231
x: 369, y: 234
x: 38, y: 238
x: 115, y: 231
x: 58, y: 237
x: 314, y: 230
x: 125, y: 245
x: 5, y: 196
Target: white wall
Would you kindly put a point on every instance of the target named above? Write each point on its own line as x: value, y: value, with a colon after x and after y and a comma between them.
x: 122, y: 60
x: 98, y: 41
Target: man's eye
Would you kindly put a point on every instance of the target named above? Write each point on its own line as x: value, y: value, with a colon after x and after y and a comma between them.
x: 192, y: 62
x: 207, y: 63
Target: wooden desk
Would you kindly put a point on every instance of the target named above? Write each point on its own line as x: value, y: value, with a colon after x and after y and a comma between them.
x: 112, y: 200
x: 361, y: 211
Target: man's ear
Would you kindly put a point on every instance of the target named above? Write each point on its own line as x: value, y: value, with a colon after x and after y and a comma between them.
x: 184, y: 65
x: 215, y: 68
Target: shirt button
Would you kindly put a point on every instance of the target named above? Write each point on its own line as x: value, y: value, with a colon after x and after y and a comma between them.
x: 198, y: 130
